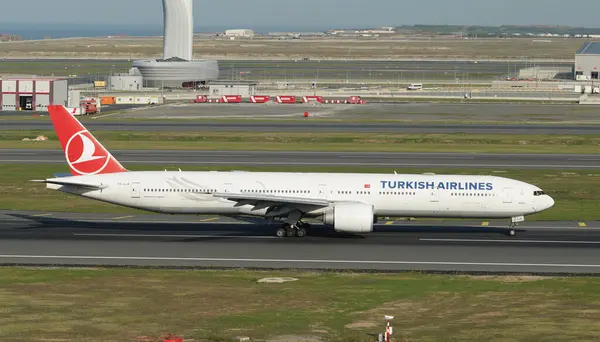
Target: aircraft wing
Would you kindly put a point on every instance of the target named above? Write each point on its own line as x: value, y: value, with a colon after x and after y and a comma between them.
x: 261, y: 201
x: 71, y: 183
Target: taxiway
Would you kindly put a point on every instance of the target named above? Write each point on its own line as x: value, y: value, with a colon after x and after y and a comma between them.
x: 312, y: 127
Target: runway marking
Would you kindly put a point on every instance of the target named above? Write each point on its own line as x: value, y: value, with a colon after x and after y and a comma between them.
x: 209, y: 219
x: 41, y: 215
x: 511, y: 241
x: 389, y: 223
x: 310, y: 261
x: 485, y: 224
x: 176, y: 236
x: 582, y: 224
x: 122, y: 217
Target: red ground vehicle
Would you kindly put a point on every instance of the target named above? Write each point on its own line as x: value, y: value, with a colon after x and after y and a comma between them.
x: 357, y: 100
x: 89, y: 107
x: 200, y: 99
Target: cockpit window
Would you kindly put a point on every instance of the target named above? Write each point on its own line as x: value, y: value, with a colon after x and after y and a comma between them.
x: 538, y: 193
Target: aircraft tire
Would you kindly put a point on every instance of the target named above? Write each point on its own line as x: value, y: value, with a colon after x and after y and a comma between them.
x: 281, y: 232
x: 301, y: 233
x: 290, y: 232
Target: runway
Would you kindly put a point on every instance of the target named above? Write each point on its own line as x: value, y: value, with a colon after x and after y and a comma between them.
x: 315, y: 159
x: 153, y: 240
x: 311, y: 127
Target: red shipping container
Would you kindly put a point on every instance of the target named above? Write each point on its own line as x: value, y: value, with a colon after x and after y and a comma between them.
x: 260, y: 99
x: 286, y: 99
x: 318, y: 99
x: 231, y: 99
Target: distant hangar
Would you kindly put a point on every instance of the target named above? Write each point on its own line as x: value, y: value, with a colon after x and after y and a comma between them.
x: 587, y: 62
x: 243, y: 33
x: 32, y: 93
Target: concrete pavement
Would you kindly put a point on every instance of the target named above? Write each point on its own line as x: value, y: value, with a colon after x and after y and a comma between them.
x: 155, y: 240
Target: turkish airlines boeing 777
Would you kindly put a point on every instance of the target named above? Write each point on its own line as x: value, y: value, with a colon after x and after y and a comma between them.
x: 349, y: 202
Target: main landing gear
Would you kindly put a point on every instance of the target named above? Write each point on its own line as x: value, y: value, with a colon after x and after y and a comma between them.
x: 293, y: 230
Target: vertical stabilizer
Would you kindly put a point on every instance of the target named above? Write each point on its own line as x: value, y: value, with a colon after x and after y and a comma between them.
x: 84, y: 154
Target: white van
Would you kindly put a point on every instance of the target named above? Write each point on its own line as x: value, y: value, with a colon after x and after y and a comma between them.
x: 415, y: 86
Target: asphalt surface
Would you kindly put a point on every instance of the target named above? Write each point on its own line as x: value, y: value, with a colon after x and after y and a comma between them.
x: 154, y: 240
x: 313, y: 127
x: 289, y: 158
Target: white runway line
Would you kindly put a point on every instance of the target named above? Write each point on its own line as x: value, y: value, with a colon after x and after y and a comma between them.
x: 313, y: 261
x: 512, y: 241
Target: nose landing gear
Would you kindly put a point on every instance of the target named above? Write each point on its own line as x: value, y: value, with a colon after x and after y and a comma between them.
x: 514, y: 221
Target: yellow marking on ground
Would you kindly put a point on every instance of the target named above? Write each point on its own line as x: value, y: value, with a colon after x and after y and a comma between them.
x: 122, y: 217
x: 582, y: 224
x: 40, y: 215
x: 389, y: 223
x: 209, y: 219
x: 485, y: 223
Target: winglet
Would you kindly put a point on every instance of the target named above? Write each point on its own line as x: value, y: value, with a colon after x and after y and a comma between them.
x: 84, y: 154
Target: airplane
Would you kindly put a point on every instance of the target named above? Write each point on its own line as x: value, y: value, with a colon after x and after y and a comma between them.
x: 349, y: 202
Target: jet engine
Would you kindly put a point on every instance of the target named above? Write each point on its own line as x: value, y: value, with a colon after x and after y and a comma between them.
x: 350, y: 217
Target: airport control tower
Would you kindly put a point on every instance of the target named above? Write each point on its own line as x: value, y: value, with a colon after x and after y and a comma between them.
x: 177, y: 65
x: 178, y: 29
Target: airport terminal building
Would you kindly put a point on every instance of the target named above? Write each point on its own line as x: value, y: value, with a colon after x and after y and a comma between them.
x: 587, y: 62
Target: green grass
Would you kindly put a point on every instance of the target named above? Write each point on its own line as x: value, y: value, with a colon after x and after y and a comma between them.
x: 365, y: 142
x: 577, y: 193
x: 121, y: 305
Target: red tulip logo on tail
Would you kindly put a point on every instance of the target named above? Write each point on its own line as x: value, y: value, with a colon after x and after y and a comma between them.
x: 84, y: 155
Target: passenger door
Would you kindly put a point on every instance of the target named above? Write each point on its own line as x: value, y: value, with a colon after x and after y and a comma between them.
x: 135, y: 190
x: 434, y: 195
x: 322, y: 191
x: 507, y: 195
x: 434, y: 201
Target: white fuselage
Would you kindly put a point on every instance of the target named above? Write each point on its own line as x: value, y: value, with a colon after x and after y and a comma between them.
x: 449, y: 196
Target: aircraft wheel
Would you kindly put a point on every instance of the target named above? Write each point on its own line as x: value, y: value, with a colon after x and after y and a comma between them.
x: 301, y: 232
x: 281, y: 232
x: 290, y: 232
x: 511, y: 232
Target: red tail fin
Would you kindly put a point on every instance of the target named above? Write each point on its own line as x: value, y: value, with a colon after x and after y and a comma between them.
x: 84, y: 154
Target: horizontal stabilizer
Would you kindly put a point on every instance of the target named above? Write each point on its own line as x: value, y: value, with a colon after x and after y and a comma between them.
x: 62, y: 175
x: 71, y: 183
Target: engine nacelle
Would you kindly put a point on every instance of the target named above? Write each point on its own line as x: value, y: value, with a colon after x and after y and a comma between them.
x: 350, y: 217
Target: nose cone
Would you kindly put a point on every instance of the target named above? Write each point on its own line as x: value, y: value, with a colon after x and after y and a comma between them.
x: 544, y: 202
x: 550, y: 202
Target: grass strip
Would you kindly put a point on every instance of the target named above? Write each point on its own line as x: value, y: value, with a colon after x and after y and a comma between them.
x: 122, y: 304
x: 361, y: 142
